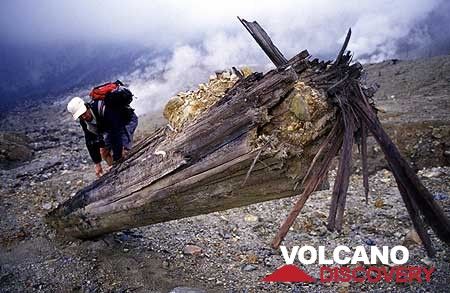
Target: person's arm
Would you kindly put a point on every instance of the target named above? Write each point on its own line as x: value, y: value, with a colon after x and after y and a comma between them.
x: 93, y: 144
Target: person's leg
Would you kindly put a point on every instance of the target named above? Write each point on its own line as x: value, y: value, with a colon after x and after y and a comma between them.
x: 127, y: 139
x: 105, y: 151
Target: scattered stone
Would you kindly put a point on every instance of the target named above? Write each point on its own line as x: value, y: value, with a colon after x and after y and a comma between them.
x: 165, y: 264
x: 434, y: 172
x: 249, y: 268
x: 192, y: 250
x: 397, y: 234
x: 428, y: 261
x: 343, y: 287
x: 379, y: 203
x: 437, y: 133
x: 322, y: 230
x: 225, y: 234
x: 440, y: 196
x: 250, y: 218
x: 47, y: 206
x: 121, y: 237
x: 187, y: 290
x: 412, y: 238
x: 251, y: 259
x: 369, y: 242
x: 14, y: 148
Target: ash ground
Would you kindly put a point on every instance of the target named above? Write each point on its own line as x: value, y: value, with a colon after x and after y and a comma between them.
x: 235, y: 244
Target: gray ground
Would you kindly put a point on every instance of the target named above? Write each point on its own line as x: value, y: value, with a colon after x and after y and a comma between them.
x: 235, y: 244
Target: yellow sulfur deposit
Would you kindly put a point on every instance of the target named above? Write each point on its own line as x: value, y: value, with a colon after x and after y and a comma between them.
x: 307, y: 115
x: 246, y: 71
x: 185, y: 106
x: 298, y: 120
x: 301, y: 118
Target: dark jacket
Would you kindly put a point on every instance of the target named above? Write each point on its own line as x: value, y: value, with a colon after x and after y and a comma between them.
x: 110, y: 121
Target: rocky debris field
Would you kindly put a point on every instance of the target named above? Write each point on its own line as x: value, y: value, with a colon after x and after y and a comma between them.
x: 224, y: 251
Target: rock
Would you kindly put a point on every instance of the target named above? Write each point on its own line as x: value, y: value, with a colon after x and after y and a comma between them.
x: 251, y: 259
x: 428, y: 261
x: 412, y: 238
x: 250, y: 218
x: 343, y: 287
x: 187, y: 290
x: 319, y: 215
x: 95, y: 246
x: 47, y: 206
x: 192, y: 250
x: 434, y: 172
x: 268, y: 262
x: 249, y: 268
x: 322, y: 230
x: 121, y: 237
x: 225, y: 234
x: 165, y: 264
x: 14, y: 148
x: 379, y: 203
x: 436, y: 133
x: 369, y: 242
x: 440, y: 196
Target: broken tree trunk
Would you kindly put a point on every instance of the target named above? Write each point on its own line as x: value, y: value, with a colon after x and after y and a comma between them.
x: 205, y: 166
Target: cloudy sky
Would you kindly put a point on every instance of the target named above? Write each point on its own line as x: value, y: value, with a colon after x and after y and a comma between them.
x: 203, y: 36
x: 318, y: 24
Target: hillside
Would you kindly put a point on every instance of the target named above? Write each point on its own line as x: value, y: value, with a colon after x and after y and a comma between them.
x: 414, y: 97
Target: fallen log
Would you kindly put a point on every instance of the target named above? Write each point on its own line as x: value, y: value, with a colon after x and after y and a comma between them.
x: 253, y: 144
x: 260, y: 137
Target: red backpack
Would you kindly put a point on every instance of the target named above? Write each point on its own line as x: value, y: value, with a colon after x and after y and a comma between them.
x: 114, y: 94
x: 100, y: 92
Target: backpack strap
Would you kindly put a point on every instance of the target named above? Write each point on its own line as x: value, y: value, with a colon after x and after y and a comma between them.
x: 101, y: 108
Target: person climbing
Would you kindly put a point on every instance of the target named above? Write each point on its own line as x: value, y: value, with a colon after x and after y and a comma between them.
x: 108, y: 123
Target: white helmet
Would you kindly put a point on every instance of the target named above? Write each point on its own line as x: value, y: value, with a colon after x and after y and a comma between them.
x: 76, y: 107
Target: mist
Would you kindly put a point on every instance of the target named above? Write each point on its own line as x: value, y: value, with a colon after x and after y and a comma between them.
x: 201, y: 37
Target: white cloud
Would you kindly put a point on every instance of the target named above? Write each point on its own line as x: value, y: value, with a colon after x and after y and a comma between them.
x: 320, y: 26
x: 204, y: 36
